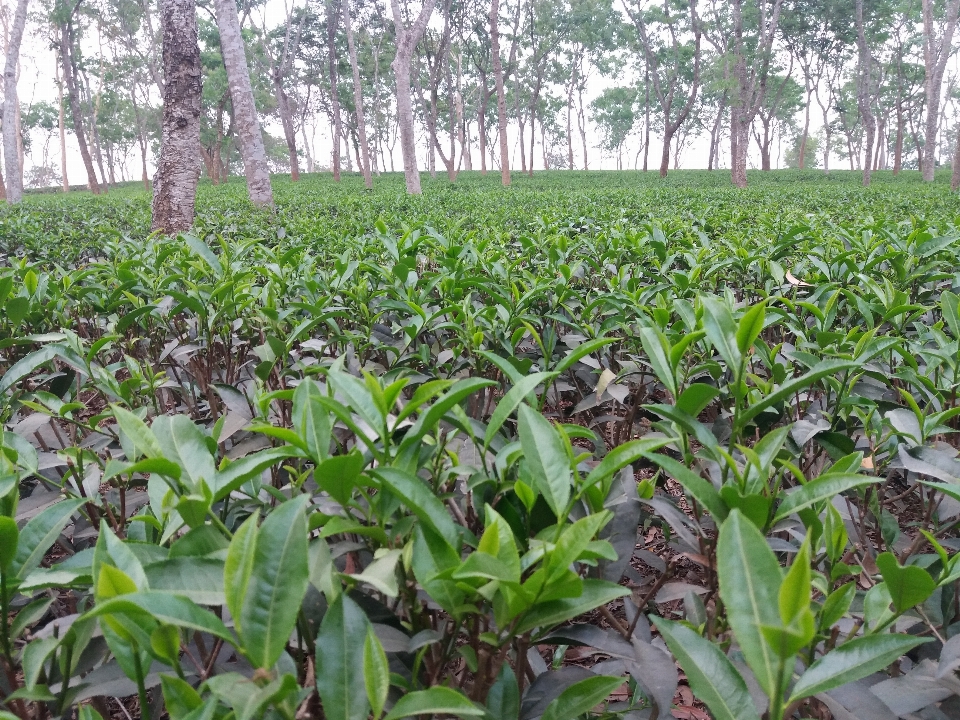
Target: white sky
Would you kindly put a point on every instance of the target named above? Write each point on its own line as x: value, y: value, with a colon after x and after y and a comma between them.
x: 37, y: 84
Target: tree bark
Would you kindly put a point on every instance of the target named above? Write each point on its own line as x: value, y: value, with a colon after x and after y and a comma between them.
x: 407, y: 38
x: 666, y: 88
x: 252, y: 151
x: 501, y: 95
x: 69, y: 79
x: 11, y: 156
x: 750, y: 83
x: 955, y: 174
x: 178, y: 167
x: 358, y: 97
x: 936, y: 52
x: 865, y: 92
x: 62, y: 128
x: 334, y: 91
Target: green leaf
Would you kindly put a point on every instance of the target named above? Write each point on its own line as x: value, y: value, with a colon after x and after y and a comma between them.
x: 823, y: 488
x: 853, y: 660
x: 238, y: 566
x: 594, y: 594
x: 581, y: 697
x: 695, y: 486
x: 437, y: 700
x: 197, y: 578
x: 39, y: 534
x: 179, y: 697
x: 621, y: 456
x: 428, y: 420
x: 142, y: 437
x: 185, y: 443
x: 26, y: 365
x: 503, y: 698
x: 750, y: 578
x: 341, y: 672
x: 311, y: 419
x: 9, y: 536
x: 516, y: 395
x: 696, y: 397
x: 908, y: 586
x: 16, y: 309
x: 795, y: 590
x: 376, y: 672
x: 657, y: 348
x: 790, y: 388
x: 547, y: 459
x: 420, y: 499
x: 751, y: 324
x: 711, y: 675
x: 165, y: 608
x: 277, y: 584
x: 721, y: 331
x: 587, y: 348
x: 338, y: 475
x: 248, y: 467
x: 201, y: 249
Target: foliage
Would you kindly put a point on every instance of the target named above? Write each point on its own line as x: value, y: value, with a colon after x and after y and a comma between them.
x: 320, y: 459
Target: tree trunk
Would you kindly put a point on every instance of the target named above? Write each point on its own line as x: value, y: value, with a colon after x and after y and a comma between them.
x: 955, y: 175
x: 358, y: 97
x: 252, y: 151
x: 570, y: 120
x: 69, y: 78
x: 62, y: 128
x: 482, y: 125
x: 334, y: 92
x: 865, y: 92
x: 806, y: 122
x: 406, y: 39
x: 935, y: 56
x: 178, y: 169
x: 501, y: 95
x: 665, y: 157
x: 11, y: 156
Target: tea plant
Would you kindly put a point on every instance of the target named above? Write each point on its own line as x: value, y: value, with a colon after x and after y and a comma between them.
x: 515, y: 465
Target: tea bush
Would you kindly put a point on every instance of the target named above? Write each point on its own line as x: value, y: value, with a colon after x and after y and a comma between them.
x: 509, y: 453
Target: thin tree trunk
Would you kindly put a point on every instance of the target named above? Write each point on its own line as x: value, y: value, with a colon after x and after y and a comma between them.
x: 806, y: 121
x: 955, y: 175
x: 407, y: 39
x: 69, y: 78
x: 501, y: 95
x: 62, y: 129
x: 178, y: 170
x: 935, y: 56
x: 865, y: 92
x: 252, y: 151
x: 358, y: 97
x: 334, y: 92
x: 482, y: 125
x: 11, y: 155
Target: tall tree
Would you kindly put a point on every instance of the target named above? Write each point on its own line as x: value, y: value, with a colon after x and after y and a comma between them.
x: 937, y: 46
x: 178, y: 168
x: 501, y: 94
x: 252, y: 150
x: 11, y: 106
x: 68, y: 59
x: 668, y: 57
x: 743, y: 33
x: 357, y: 97
x: 868, y: 87
x: 407, y: 37
x: 279, y: 67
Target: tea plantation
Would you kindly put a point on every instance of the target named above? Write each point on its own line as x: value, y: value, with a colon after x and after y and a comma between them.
x: 597, y: 445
